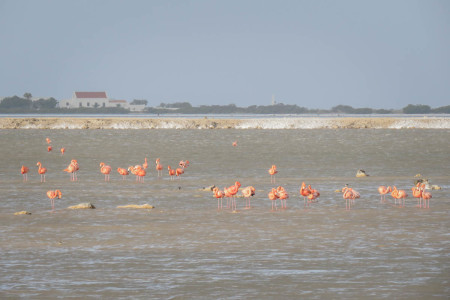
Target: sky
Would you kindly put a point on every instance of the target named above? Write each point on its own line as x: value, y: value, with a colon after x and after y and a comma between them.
x: 315, y: 54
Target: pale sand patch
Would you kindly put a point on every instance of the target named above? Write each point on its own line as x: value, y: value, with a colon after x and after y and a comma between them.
x: 206, y: 123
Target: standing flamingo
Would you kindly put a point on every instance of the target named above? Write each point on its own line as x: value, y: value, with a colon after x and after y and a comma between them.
x: 383, y: 191
x: 62, y: 151
x: 171, y: 172
x: 48, y: 140
x: 282, y: 195
x: 179, y: 171
x: 273, y: 196
x: 24, y: 171
x: 401, y: 195
x: 49, y: 148
x: 304, y: 191
x: 219, y: 195
x: 145, y: 164
x: 72, y: 169
x: 232, y: 191
x: 426, y: 199
x: 234, y: 143
x: 248, y: 192
x: 123, y: 172
x: 41, y: 170
x: 417, y: 192
x: 349, y: 195
x: 52, y: 195
x: 158, y: 167
x: 272, y: 171
x: 105, y: 169
x: 314, y: 194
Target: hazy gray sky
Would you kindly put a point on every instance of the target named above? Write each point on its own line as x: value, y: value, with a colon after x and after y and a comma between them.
x: 316, y: 54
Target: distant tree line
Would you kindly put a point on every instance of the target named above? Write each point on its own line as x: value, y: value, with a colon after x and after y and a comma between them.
x: 17, y: 104
x: 280, y: 108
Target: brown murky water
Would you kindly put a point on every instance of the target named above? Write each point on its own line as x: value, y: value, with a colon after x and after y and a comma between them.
x: 186, y: 248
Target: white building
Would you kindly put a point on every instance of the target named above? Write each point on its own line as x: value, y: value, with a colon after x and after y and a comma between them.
x: 97, y: 99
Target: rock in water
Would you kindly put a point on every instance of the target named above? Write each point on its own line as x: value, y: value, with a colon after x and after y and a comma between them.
x: 23, y: 212
x: 361, y: 173
x: 145, y: 206
x: 82, y: 206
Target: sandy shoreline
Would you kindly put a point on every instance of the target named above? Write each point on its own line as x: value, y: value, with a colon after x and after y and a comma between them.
x: 207, y: 123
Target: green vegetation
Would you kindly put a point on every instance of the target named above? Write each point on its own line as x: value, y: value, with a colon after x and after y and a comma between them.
x: 17, y: 105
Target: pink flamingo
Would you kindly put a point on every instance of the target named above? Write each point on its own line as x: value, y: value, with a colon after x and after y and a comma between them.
x: 72, y: 168
x: 105, y: 169
x: 426, y: 199
x: 248, y: 192
x: 123, y: 172
x: 417, y: 192
x: 41, y: 170
x: 272, y: 171
x: 304, y: 191
x: 24, y: 170
x: 145, y: 164
x: 282, y: 195
x: 383, y: 191
x: 232, y: 191
x: 62, y: 151
x: 349, y: 195
x: 171, y: 172
x: 158, y: 167
x: 52, y: 195
x: 219, y: 195
x: 273, y: 196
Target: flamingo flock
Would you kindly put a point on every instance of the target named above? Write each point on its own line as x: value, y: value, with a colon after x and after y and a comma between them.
x: 309, y: 194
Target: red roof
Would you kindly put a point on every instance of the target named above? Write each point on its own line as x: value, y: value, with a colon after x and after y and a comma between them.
x: 90, y: 95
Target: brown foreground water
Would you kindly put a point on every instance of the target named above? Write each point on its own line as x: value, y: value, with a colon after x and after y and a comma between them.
x: 186, y: 248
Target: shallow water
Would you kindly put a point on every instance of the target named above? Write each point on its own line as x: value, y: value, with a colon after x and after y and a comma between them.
x: 186, y: 248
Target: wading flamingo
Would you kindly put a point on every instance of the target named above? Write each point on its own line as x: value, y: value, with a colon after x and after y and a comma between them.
x: 48, y: 140
x: 141, y: 174
x: 24, y: 171
x: 52, y: 195
x: 123, y: 172
x: 72, y: 169
x: 179, y: 171
x: 272, y: 171
x: 219, y: 195
x: 248, y: 192
x: 41, y: 171
x: 426, y: 199
x: 234, y: 143
x: 145, y: 164
x: 105, y: 169
x: 383, y: 191
x: 49, y: 148
x: 231, y: 192
x: 314, y: 194
x: 349, y: 195
x: 401, y: 196
x: 304, y: 191
x: 282, y: 195
x: 158, y: 167
x: 273, y: 196
x: 171, y: 172
x: 62, y: 151
x: 417, y: 192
